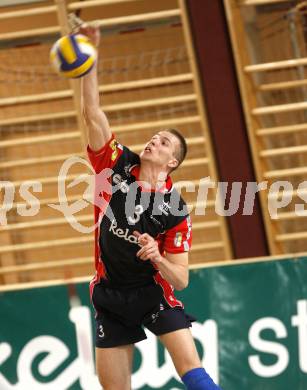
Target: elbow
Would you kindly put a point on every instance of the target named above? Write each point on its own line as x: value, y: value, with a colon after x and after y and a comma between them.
x: 182, y: 284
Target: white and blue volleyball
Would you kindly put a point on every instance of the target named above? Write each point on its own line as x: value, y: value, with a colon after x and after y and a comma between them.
x: 73, y: 55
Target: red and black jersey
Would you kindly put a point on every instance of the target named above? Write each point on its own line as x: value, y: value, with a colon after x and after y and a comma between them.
x: 123, y: 206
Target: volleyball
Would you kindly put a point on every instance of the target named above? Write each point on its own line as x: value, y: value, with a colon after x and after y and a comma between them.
x: 73, y: 55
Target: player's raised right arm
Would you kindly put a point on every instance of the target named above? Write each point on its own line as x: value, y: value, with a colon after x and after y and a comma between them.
x: 97, y: 124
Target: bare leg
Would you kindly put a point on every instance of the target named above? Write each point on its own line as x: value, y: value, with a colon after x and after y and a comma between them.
x: 114, y: 367
x: 181, y: 347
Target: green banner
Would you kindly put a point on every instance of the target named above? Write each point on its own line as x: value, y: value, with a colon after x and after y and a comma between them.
x: 251, y: 333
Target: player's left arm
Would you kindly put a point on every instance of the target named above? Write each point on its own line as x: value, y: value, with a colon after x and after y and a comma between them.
x: 174, y: 267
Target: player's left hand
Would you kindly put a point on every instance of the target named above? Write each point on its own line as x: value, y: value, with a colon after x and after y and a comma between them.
x: 150, y: 248
x: 92, y: 31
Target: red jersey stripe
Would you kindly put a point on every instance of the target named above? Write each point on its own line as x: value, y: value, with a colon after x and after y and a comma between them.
x: 168, y: 291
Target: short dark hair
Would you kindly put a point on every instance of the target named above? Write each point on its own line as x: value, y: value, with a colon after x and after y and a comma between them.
x: 180, y: 152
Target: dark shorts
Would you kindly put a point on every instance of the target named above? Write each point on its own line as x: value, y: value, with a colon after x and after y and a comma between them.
x: 121, y: 315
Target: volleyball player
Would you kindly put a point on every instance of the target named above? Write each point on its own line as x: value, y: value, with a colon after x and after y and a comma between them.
x: 142, y: 245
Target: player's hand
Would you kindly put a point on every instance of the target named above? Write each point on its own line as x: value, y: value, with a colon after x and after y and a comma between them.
x: 150, y: 248
x: 92, y: 31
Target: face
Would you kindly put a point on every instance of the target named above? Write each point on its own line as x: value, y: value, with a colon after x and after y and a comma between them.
x: 160, y: 150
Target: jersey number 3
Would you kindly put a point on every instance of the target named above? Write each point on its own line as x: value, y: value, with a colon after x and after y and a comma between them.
x: 139, y: 209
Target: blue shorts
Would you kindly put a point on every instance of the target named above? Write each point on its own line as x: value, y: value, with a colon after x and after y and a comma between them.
x: 121, y: 315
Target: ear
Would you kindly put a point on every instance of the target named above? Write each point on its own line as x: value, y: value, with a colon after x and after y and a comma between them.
x: 173, y: 163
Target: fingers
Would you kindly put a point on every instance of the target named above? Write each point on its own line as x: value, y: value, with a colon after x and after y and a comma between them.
x: 87, y: 30
x: 150, y: 249
x: 95, y: 24
x: 91, y: 29
x: 136, y: 233
x: 144, y: 238
x: 149, y: 254
x: 144, y: 250
x: 75, y: 23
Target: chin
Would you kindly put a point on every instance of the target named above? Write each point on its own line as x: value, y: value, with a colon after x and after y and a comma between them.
x: 145, y: 157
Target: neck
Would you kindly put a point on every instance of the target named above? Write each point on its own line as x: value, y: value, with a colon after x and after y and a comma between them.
x: 152, y: 175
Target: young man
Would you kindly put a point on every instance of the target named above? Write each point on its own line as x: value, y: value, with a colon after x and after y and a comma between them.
x: 142, y: 243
